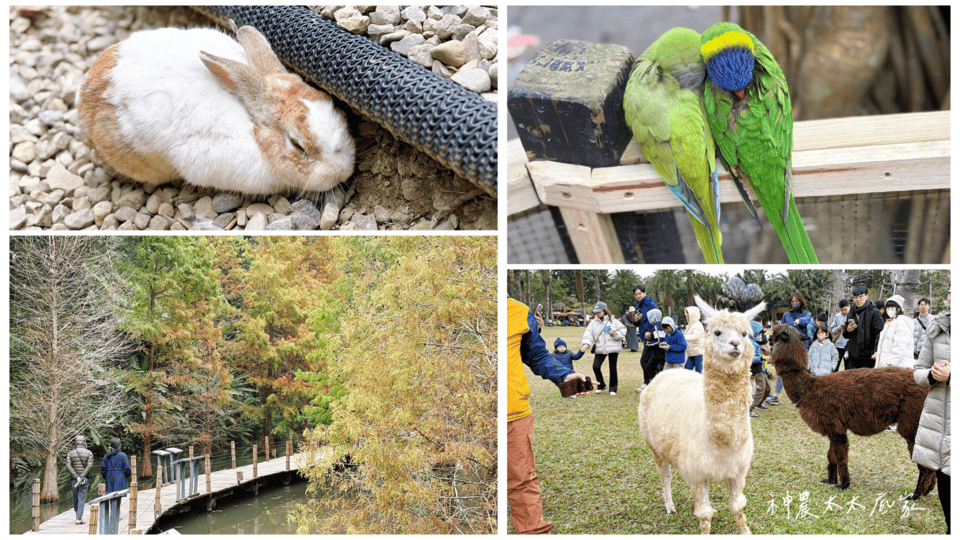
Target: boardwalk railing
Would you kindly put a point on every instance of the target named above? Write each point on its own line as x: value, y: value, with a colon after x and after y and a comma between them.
x: 188, y: 473
x: 107, y: 509
x: 105, y: 512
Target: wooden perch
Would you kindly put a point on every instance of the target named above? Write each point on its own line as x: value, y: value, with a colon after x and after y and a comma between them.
x: 846, y: 156
x: 842, y: 157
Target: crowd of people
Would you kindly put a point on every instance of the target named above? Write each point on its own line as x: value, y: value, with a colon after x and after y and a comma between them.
x: 864, y: 335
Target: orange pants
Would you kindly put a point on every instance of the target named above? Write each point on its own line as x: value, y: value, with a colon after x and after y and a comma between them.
x: 523, y: 484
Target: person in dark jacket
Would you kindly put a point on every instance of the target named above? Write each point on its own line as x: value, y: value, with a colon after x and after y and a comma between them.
x: 652, y: 350
x: 628, y: 322
x: 644, y: 325
x: 79, y: 464
x: 864, y: 323
x: 563, y: 355
x: 115, y: 468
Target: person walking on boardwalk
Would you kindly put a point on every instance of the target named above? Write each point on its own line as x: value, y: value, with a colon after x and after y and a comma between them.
x: 115, y: 468
x: 79, y: 464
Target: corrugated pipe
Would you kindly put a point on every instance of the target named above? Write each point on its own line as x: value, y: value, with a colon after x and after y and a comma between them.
x: 453, y: 125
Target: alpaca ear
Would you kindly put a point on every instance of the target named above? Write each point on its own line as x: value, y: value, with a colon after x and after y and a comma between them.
x: 705, y: 309
x: 751, y: 313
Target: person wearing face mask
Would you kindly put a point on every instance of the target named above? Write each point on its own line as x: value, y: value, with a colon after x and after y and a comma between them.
x: 798, y: 317
x: 932, y: 370
x: 895, y: 347
x: 822, y: 354
x: 920, y: 326
x: 836, y: 329
x: 862, y: 330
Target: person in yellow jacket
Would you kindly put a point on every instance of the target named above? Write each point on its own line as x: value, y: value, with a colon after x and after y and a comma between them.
x: 525, y: 346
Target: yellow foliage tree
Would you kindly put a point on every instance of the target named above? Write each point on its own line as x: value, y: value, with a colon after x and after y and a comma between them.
x: 417, y: 428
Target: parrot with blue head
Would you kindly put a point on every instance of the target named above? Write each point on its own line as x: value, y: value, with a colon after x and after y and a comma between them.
x: 748, y: 110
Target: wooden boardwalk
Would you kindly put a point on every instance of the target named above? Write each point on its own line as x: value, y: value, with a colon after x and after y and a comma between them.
x: 222, y: 484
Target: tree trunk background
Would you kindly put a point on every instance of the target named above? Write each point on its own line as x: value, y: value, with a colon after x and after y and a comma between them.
x: 857, y: 60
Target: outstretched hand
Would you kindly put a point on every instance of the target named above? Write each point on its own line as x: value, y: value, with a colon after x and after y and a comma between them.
x: 576, y: 376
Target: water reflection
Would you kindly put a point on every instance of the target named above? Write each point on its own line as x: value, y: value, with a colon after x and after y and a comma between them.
x: 263, y: 514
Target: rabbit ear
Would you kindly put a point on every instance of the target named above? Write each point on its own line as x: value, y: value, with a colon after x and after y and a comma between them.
x: 259, y: 52
x: 242, y: 81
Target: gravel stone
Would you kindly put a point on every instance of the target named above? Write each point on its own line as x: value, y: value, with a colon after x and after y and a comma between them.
x: 158, y: 223
x: 283, y: 224
x: 476, y: 80
x: 404, y: 45
x: 257, y: 223
x: 166, y: 210
x: 24, y: 151
x: 223, y: 220
x: 204, y: 208
x: 101, y: 210
x: 59, y: 178
x: 153, y: 203
x: 364, y: 222
x: 225, y: 202
x: 259, y: 208
x: 142, y: 220
x: 414, y: 13
x: 125, y: 214
x: 134, y: 199
x: 451, y: 53
x: 186, y: 211
x: 446, y: 26
x: 386, y: 15
x: 476, y: 15
x: 18, y: 217
x: 329, y: 217
x: 80, y: 220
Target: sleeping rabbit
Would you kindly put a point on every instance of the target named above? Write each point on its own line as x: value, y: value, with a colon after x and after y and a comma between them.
x: 195, y: 104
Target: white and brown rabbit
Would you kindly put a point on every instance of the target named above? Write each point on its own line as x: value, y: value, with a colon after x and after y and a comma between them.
x: 195, y: 104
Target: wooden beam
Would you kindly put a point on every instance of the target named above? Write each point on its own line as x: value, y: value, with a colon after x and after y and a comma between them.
x: 850, y: 132
x: 593, y: 237
x: 816, y: 173
x: 521, y: 195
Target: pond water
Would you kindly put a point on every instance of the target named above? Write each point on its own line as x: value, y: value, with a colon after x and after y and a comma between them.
x: 21, y: 486
x: 264, y: 514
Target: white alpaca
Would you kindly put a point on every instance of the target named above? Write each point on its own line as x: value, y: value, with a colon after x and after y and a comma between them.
x: 700, y: 424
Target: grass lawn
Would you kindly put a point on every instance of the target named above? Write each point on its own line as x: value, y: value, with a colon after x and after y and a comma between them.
x: 597, y: 476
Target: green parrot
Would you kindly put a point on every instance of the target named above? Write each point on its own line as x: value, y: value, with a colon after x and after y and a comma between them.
x: 748, y: 108
x: 663, y: 104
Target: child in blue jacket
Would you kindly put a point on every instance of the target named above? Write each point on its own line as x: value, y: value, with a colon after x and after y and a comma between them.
x: 564, y: 356
x: 675, y: 352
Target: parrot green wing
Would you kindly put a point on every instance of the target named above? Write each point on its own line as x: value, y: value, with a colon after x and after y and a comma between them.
x: 658, y: 114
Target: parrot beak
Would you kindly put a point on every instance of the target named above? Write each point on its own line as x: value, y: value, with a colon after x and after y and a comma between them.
x: 740, y: 94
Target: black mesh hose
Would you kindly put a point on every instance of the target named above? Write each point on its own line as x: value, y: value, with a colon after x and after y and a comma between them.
x: 453, y: 125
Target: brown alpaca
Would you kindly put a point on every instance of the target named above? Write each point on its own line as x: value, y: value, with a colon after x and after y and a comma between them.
x: 863, y: 401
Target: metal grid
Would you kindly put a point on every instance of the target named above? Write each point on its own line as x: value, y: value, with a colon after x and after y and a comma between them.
x: 539, y: 236
x: 877, y: 228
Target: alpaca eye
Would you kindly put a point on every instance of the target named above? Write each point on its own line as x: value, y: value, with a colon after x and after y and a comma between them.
x: 744, y: 334
x: 716, y: 333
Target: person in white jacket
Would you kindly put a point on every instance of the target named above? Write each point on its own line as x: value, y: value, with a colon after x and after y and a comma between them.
x: 606, y: 332
x: 694, y: 336
x: 895, y: 347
